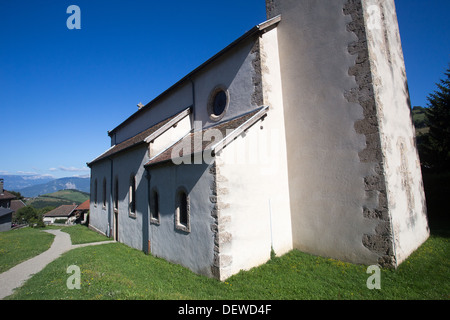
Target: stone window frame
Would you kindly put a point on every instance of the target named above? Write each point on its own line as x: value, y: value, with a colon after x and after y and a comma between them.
x: 178, y: 225
x: 132, y: 197
x: 155, y: 220
x: 210, y: 106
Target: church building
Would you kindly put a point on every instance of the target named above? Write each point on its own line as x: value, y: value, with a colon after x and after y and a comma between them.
x: 298, y: 135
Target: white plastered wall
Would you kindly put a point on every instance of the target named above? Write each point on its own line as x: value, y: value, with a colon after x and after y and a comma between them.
x: 406, y: 200
x: 275, y: 143
x: 169, y: 137
x: 326, y: 176
x: 252, y: 184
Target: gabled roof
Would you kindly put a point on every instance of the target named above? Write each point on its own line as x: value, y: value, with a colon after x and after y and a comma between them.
x: 6, y: 195
x: 229, y: 129
x: 145, y: 136
x: 16, y: 205
x: 61, y: 211
x: 256, y: 30
x: 84, y: 205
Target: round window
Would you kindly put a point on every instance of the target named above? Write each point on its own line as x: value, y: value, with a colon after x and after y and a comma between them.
x: 218, y: 103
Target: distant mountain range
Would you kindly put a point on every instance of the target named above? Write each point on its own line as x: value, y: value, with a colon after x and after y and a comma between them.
x: 33, y: 186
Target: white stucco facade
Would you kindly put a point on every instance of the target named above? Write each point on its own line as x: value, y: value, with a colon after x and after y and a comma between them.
x: 312, y: 149
x: 354, y: 173
x: 406, y: 199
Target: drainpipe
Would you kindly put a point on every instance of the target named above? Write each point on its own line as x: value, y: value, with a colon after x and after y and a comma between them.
x: 193, y: 102
x: 271, y: 231
x: 149, y: 233
x: 110, y: 216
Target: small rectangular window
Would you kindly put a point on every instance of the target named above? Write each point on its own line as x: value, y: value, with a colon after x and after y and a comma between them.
x: 154, y: 207
x: 182, y: 213
x: 104, y: 193
x: 116, y: 194
x: 132, y: 196
x: 183, y: 209
x: 95, y: 193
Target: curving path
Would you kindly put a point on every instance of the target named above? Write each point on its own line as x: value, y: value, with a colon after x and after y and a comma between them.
x: 17, y: 275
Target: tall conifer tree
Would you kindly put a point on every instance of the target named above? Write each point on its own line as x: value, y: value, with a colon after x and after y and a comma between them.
x: 435, y: 152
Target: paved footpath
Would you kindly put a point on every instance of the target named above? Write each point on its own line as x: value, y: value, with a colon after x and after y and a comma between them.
x: 17, y: 275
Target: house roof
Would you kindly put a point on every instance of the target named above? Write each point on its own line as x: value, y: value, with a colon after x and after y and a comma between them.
x: 257, y: 30
x: 84, y: 205
x: 61, y: 211
x: 229, y: 130
x: 6, y: 195
x: 143, y: 137
x: 16, y: 205
x: 5, y: 211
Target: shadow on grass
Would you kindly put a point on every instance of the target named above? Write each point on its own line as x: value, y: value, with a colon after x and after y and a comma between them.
x: 437, y: 193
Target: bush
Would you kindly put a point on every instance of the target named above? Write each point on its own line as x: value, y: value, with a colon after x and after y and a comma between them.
x: 29, y: 215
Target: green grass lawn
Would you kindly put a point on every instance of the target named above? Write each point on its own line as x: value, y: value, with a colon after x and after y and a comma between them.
x: 80, y: 234
x: 115, y: 271
x: 19, y: 245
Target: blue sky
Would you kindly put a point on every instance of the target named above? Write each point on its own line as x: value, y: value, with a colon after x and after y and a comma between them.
x: 61, y: 90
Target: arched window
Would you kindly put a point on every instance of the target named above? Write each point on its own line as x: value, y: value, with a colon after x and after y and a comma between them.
x: 104, y: 193
x: 116, y: 194
x: 154, y: 206
x: 95, y: 192
x: 132, y: 196
x: 182, y: 211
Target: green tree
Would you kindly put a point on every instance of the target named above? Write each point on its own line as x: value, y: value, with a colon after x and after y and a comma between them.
x: 435, y: 147
x: 17, y: 194
x: 30, y: 216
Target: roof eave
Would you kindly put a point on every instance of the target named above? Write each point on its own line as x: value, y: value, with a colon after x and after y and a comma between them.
x: 238, y: 131
x: 175, y: 120
x: 258, y: 29
x: 216, y: 148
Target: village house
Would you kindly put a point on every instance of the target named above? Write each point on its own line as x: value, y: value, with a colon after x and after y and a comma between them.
x: 6, y: 211
x: 298, y: 135
x: 17, y: 204
x: 62, y: 214
x: 5, y: 219
x: 5, y: 196
x: 68, y: 214
x: 81, y: 213
x: 8, y: 207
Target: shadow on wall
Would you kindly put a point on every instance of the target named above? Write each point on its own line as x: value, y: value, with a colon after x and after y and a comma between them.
x: 169, y: 180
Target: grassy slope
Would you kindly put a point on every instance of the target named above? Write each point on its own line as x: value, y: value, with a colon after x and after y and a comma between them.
x: 420, y: 118
x: 115, y: 271
x: 80, y: 234
x: 59, y: 198
x: 19, y: 245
